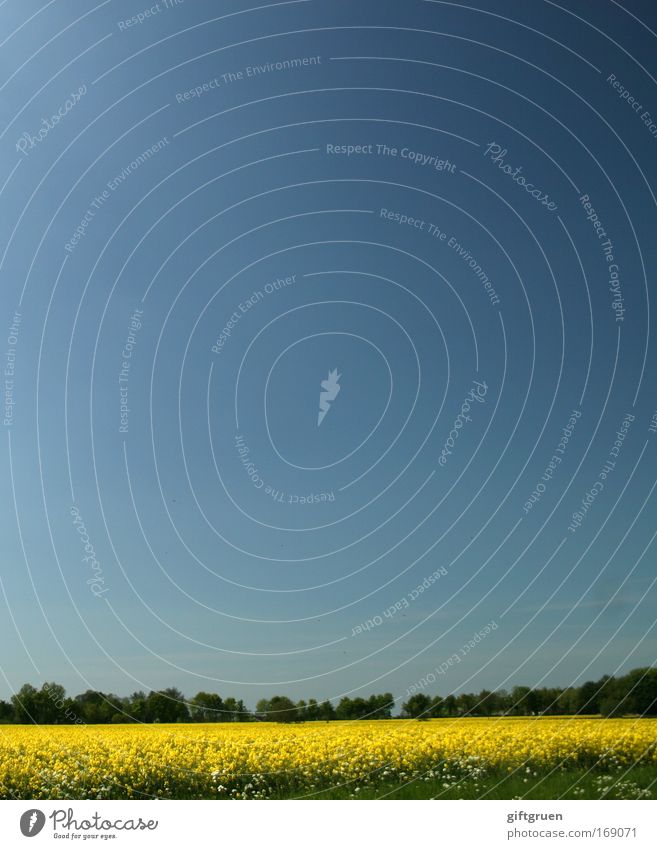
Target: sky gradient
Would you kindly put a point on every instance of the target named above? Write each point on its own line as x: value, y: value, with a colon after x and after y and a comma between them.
x: 210, y: 207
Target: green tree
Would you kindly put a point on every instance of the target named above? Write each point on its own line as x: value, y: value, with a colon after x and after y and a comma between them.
x: 484, y: 703
x: 262, y: 708
x: 638, y: 689
x: 326, y: 711
x: 312, y: 710
x: 281, y: 709
x: 547, y: 700
x: 6, y: 712
x: 380, y: 706
x: 243, y: 715
x: 466, y: 703
x: 612, y: 706
x: 568, y: 701
x: 523, y: 701
x: 418, y: 705
x: 51, y: 702
x: 589, y: 698
x: 138, y: 707
x: 95, y: 707
x: 26, y: 704
x: 231, y: 709
x: 437, y: 706
x: 450, y: 705
x: 206, y: 707
x: 344, y: 709
x: 167, y: 705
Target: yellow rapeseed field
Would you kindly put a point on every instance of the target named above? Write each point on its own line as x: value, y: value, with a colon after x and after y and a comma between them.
x: 260, y: 760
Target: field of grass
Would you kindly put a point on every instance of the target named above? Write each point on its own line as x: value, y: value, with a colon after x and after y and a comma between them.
x: 634, y: 783
x: 496, y: 758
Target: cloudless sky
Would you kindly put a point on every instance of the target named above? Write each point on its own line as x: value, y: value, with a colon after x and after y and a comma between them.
x: 233, y: 544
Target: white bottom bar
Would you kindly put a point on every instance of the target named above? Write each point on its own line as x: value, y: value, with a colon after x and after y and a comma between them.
x: 325, y: 825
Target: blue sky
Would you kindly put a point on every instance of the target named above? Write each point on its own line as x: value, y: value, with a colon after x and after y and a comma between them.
x: 297, y: 209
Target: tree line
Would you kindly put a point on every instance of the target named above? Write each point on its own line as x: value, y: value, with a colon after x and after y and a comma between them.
x: 632, y: 694
x: 50, y: 705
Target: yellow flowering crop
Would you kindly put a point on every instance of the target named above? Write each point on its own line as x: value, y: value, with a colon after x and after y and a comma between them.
x: 260, y: 760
